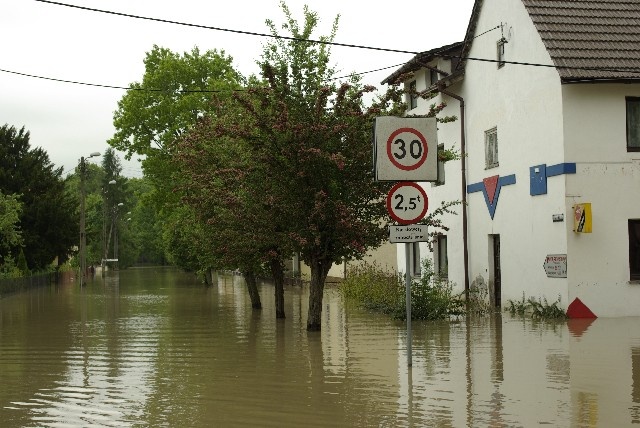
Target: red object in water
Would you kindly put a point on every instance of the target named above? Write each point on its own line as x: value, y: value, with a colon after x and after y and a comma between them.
x: 577, y: 309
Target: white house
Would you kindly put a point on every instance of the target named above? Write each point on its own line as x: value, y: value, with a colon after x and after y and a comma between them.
x: 547, y: 95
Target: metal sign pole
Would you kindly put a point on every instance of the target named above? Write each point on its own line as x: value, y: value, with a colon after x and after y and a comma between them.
x: 407, y: 248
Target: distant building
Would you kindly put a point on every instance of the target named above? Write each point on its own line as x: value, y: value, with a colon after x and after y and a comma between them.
x: 551, y: 133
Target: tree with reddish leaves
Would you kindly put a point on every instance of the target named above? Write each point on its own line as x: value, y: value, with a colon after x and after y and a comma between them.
x: 235, y: 206
x: 286, y: 165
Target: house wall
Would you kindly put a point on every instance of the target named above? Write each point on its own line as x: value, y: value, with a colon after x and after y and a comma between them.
x: 608, y: 177
x: 524, y: 103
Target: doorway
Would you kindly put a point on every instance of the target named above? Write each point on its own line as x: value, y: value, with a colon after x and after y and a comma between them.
x: 495, y: 276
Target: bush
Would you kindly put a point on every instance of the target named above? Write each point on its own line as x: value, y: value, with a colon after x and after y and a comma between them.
x: 372, y: 287
x: 537, y: 309
x: 9, y: 269
x: 432, y: 297
x: 383, y: 291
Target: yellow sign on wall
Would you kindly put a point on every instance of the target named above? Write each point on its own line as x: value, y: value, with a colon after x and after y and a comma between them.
x: 582, y: 222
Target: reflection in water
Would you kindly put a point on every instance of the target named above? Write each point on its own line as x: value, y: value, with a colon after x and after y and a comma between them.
x: 154, y: 347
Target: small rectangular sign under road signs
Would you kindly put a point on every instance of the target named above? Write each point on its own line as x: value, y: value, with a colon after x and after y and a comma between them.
x: 409, y: 233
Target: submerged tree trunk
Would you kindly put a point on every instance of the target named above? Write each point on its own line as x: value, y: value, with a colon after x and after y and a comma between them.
x: 319, y: 272
x: 208, y: 276
x: 277, y: 271
x: 252, y: 288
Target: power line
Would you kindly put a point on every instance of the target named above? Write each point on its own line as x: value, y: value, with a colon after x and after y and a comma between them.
x: 207, y: 27
x: 613, y: 70
x: 129, y: 88
x: 100, y: 85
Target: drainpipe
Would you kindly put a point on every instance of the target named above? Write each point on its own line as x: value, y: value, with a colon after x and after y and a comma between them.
x: 463, y: 155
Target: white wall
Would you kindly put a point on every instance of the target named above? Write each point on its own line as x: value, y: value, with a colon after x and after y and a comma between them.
x: 525, y: 105
x: 609, y: 178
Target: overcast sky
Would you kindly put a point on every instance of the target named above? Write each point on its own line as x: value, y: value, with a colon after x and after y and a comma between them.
x: 53, y: 41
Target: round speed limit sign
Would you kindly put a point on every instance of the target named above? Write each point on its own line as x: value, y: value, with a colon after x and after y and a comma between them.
x: 407, y: 202
x: 407, y: 149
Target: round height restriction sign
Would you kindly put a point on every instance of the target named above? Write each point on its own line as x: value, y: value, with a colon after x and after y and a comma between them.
x: 407, y: 202
x: 407, y: 149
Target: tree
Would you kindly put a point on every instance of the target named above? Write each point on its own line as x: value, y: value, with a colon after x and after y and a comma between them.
x: 174, y: 92
x: 10, y: 234
x: 302, y: 171
x: 146, y: 224
x: 303, y: 154
x: 48, y: 220
x: 224, y: 188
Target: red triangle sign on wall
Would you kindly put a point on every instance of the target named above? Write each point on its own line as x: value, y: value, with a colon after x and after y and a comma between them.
x: 490, y: 185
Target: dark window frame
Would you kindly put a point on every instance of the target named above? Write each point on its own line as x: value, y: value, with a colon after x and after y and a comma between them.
x: 434, y: 76
x: 630, y: 103
x: 415, y: 259
x: 634, y: 249
x: 441, y: 175
x: 443, y: 257
x: 413, y: 96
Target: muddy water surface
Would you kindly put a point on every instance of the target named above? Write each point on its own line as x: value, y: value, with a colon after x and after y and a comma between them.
x: 154, y: 347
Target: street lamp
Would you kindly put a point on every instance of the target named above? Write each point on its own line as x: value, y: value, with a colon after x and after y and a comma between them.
x: 83, y: 237
x: 115, y: 235
x: 105, y: 242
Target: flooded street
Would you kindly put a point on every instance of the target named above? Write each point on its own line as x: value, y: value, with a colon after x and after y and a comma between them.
x: 154, y: 347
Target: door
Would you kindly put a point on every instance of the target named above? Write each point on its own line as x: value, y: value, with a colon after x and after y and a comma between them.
x: 497, y: 277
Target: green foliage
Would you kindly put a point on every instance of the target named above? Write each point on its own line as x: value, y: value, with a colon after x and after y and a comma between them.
x: 175, y: 92
x: 373, y: 287
x: 10, y: 235
x: 432, y: 297
x: 8, y: 269
x: 381, y: 290
x: 22, y: 263
x: 28, y: 172
x: 537, y: 308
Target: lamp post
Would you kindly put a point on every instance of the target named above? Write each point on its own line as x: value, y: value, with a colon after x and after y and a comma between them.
x: 115, y: 236
x: 105, y: 243
x: 83, y: 237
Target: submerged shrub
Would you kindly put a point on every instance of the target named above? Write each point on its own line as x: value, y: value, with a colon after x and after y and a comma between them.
x: 383, y: 290
x: 537, y: 309
x: 432, y: 297
x: 372, y: 287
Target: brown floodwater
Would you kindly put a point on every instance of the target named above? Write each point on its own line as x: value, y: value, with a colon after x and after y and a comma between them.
x: 154, y: 347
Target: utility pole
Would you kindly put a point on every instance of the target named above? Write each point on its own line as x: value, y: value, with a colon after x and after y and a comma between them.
x: 83, y: 237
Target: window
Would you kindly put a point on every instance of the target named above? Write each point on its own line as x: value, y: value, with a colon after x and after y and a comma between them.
x: 415, y: 259
x: 433, y: 77
x: 443, y: 261
x: 413, y: 96
x: 633, y: 124
x: 634, y: 249
x: 440, y: 180
x: 500, y: 47
x: 491, y: 148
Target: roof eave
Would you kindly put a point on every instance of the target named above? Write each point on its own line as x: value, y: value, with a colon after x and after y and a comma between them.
x: 418, y: 61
